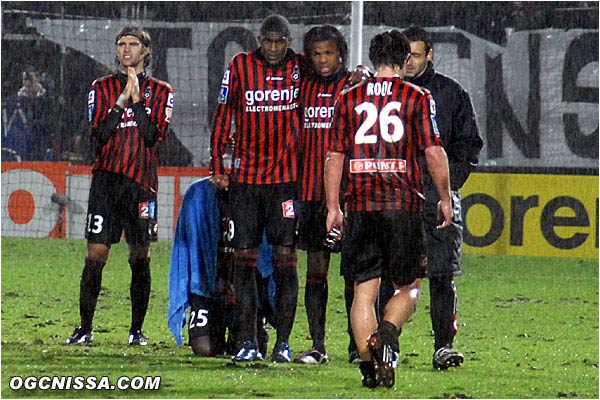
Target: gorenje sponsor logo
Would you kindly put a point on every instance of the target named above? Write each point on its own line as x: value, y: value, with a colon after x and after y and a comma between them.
x: 318, y: 112
x: 272, y: 97
x: 322, y: 114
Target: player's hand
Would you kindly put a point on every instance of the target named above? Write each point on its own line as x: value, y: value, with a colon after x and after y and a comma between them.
x: 359, y: 75
x: 134, y: 85
x: 445, y: 213
x: 335, y: 218
x: 220, y: 180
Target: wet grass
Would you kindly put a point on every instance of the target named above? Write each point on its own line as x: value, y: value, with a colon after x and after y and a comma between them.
x: 528, y: 328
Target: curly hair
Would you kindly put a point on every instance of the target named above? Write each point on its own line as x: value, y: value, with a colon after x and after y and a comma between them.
x: 327, y: 33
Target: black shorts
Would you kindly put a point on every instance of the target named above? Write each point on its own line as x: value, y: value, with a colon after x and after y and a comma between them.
x: 204, y: 317
x: 116, y: 203
x: 256, y: 208
x: 311, y: 225
x: 383, y: 243
x: 444, y: 246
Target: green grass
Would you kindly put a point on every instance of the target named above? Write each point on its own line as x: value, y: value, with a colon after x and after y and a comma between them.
x: 528, y: 328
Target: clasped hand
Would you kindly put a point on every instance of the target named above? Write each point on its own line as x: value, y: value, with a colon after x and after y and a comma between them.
x: 132, y: 88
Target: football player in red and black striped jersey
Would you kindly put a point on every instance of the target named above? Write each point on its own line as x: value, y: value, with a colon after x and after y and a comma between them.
x: 382, y: 127
x: 129, y: 113
x: 327, y: 54
x: 260, y: 95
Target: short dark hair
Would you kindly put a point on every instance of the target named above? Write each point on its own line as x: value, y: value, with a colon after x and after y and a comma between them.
x: 389, y: 48
x: 417, y: 34
x: 275, y: 23
x: 30, y: 71
x: 327, y: 33
x: 140, y: 33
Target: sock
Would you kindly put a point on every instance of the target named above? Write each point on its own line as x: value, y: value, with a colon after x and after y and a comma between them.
x: 246, y: 295
x: 315, y: 300
x: 89, y: 290
x: 443, y: 310
x: 388, y: 333
x: 349, y: 298
x: 285, y: 275
x: 139, y: 291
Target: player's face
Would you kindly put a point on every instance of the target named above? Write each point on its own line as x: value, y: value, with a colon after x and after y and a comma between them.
x: 417, y: 62
x: 273, y: 46
x: 325, y: 57
x: 30, y: 81
x: 131, y: 52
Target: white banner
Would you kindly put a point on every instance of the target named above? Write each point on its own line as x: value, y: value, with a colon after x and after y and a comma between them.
x: 536, y: 98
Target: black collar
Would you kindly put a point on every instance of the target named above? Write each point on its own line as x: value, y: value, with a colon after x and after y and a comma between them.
x: 425, y: 77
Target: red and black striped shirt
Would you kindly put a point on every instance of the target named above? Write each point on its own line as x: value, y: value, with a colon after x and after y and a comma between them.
x: 125, y: 152
x: 381, y: 127
x: 317, y: 97
x: 262, y: 100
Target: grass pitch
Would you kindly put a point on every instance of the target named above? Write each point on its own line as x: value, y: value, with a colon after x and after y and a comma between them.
x: 528, y: 328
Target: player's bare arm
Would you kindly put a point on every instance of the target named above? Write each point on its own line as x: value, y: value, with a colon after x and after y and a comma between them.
x: 132, y: 81
x: 437, y: 162
x: 334, y: 163
x: 220, y: 181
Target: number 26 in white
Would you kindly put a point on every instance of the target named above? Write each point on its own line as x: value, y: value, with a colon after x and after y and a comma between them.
x: 385, y: 121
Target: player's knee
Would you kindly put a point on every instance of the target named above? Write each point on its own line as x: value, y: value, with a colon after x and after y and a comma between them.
x: 317, y: 263
x: 201, y: 346
x: 98, y: 252
x: 283, y: 250
x: 138, y: 252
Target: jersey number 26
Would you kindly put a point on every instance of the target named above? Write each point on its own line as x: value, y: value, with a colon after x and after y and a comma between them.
x: 386, y: 121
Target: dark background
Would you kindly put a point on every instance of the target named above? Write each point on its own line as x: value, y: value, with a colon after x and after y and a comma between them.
x: 23, y: 46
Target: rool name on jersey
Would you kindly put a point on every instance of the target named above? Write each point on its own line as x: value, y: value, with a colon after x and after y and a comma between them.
x: 379, y: 88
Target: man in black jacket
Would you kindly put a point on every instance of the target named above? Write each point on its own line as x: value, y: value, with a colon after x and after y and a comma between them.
x: 460, y: 138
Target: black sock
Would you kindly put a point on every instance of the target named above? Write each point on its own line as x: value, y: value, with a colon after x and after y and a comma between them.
x: 349, y: 298
x: 139, y: 290
x: 285, y: 275
x: 89, y: 290
x: 246, y: 306
x: 388, y: 333
x: 315, y: 300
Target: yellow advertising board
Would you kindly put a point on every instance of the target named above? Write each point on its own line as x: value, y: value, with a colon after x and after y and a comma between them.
x: 531, y: 215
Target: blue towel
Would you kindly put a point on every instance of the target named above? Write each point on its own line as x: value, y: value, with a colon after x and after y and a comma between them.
x: 194, y: 257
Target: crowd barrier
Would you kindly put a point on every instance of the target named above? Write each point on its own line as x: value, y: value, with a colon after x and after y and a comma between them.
x: 505, y: 213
